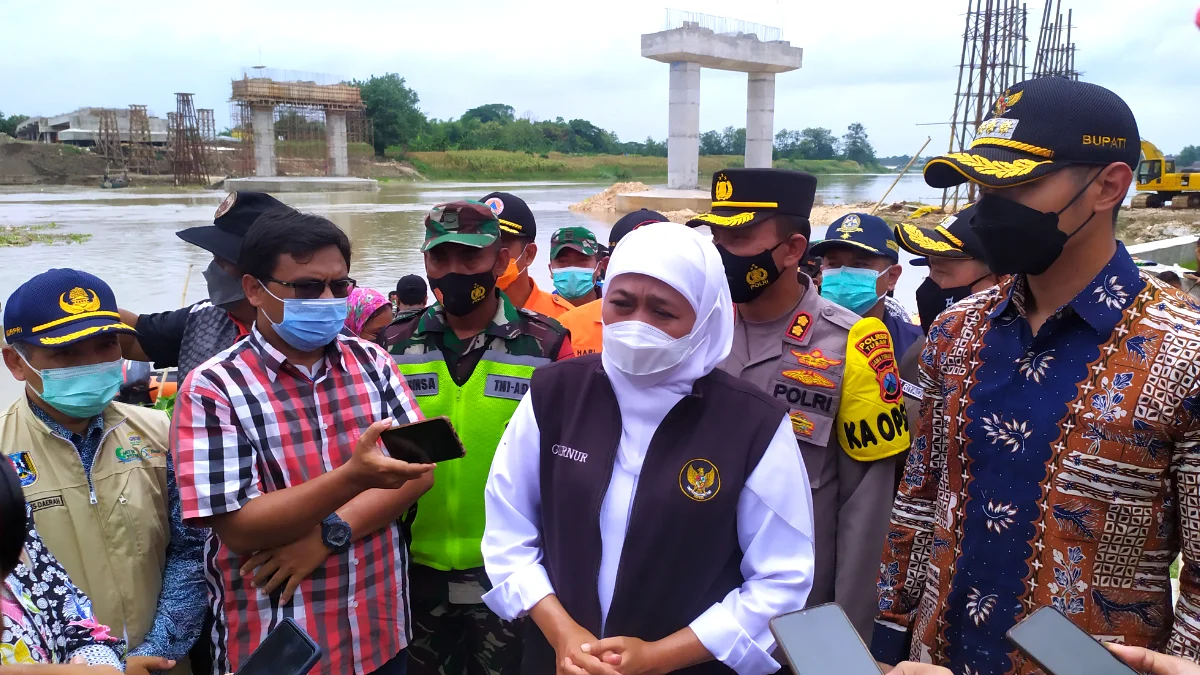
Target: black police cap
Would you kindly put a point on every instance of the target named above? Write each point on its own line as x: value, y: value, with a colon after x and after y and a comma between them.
x: 952, y: 238
x: 630, y: 222
x: 745, y: 197
x: 513, y: 213
x: 1039, y: 126
x: 232, y: 221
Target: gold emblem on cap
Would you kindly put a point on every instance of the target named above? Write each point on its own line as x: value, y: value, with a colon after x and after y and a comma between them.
x: 226, y: 204
x: 724, y: 189
x: 1006, y: 101
x: 477, y: 293
x: 78, y: 301
x: 850, y: 225
x: 756, y: 277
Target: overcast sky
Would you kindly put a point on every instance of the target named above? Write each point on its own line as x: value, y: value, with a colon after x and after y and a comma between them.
x: 887, y: 64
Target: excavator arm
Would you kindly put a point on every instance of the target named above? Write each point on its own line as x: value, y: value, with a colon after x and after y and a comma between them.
x: 1150, y: 151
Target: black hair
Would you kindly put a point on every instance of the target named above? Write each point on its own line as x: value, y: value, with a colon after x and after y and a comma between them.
x: 14, y: 517
x: 297, y: 234
x: 787, y: 224
x: 1168, y: 276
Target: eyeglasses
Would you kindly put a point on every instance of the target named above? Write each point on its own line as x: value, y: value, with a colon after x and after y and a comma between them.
x: 314, y: 288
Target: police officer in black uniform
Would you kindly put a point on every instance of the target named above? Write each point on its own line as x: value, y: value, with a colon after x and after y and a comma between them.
x: 189, y: 336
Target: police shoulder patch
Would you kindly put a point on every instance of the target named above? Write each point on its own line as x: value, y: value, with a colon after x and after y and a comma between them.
x: 798, y: 329
x: 700, y: 480
x: 801, y: 424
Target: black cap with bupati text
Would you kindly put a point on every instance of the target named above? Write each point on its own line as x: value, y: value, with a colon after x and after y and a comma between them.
x: 1037, y: 127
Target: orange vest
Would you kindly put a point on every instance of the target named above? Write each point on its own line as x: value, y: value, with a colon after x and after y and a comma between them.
x: 545, y: 303
x: 587, y: 330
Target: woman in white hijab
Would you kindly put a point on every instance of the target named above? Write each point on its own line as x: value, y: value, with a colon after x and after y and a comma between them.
x: 643, y: 497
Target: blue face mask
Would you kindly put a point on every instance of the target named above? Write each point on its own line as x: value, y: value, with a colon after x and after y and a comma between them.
x: 850, y: 287
x: 81, y: 392
x: 573, y: 282
x: 309, y: 325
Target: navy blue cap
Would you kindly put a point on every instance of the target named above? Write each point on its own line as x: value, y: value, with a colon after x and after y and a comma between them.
x: 513, y: 213
x: 630, y: 222
x: 232, y: 221
x: 60, y: 307
x: 952, y: 238
x: 859, y: 230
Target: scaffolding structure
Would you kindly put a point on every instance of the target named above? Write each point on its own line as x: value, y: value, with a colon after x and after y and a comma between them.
x: 208, y: 125
x: 1055, y: 50
x: 171, y: 139
x: 140, y: 151
x: 301, y: 140
x: 993, y: 58
x: 189, y: 163
x: 108, y: 137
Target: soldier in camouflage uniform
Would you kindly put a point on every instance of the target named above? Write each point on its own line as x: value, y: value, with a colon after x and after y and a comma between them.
x: 468, y: 357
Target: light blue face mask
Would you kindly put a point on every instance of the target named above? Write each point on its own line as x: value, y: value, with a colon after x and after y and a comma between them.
x: 309, y: 325
x: 850, y: 287
x: 573, y: 282
x: 81, y: 392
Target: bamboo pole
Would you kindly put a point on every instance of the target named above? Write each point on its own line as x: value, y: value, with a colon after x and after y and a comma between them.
x: 902, y: 172
x: 186, y: 279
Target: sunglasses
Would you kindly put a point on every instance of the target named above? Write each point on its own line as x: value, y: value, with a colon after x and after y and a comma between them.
x: 315, y: 288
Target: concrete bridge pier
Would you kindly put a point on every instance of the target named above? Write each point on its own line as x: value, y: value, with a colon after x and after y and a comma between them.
x: 760, y: 120
x: 683, y: 125
x: 335, y: 132
x: 263, y: 121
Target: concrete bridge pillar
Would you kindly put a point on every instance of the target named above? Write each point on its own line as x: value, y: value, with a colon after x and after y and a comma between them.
x: 683, y: 139
x: 760, y: 120
x: 335, y: 133
x: 263, y: 122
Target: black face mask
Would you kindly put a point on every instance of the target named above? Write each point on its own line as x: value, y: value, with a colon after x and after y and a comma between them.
x: 749, y: 275
x: 933, y: 299
x: 461, y: 294
x: 1018, y: 239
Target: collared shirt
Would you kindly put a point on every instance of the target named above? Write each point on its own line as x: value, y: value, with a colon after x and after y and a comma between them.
x: 545, y: 303
x: 249, y: 423
x: 46, y: 618
x: 1056, y: 469
x: 587, y: 329
x: 180, y: 616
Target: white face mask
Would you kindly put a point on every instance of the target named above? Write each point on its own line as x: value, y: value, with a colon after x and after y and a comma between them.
x: 638, y: 348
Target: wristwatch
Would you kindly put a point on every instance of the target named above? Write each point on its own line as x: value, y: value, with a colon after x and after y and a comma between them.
x: 335, y: 533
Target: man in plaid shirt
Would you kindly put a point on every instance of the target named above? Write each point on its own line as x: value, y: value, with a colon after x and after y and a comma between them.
x: 276, y: 448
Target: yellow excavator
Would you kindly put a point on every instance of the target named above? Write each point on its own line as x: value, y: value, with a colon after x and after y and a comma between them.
x: 1158, y: 182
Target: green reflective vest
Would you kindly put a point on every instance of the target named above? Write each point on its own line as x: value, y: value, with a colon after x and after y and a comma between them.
x: 448, y: 531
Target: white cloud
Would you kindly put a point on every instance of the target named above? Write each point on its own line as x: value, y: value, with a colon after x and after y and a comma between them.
x: 888, y: 65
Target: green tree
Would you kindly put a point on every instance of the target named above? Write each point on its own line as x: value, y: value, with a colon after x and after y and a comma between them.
x: 392, y: 109
x: 817, y: 143
x: 8, y: 125
x: 492, y: 112
x: 1186, y: 157
x: 855, y: 145
x: 787, y: 144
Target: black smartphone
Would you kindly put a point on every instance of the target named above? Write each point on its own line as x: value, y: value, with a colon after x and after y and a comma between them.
x: 821, y: 640
x: 425, y: 442
x: 287, y: 651
x: 1060, y: 647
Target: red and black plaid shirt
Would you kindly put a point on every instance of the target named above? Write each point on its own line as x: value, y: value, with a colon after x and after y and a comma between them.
x: 247, y: 423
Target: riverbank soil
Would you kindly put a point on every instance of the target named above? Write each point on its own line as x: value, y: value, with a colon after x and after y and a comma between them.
x: 1137, y: 226
x: 23, y: 163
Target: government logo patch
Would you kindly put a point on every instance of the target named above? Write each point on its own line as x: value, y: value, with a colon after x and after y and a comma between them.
x: 700, y: 480
x: 26, y: 469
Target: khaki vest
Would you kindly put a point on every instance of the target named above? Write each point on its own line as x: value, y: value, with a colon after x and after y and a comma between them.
x: 111, y: 538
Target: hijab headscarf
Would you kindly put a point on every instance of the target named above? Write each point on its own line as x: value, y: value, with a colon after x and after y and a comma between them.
x: 679, y: 257
x: 361, y: 305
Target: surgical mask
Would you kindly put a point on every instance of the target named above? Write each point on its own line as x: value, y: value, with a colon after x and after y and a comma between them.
x: 637, y: 348
x: 933, y: 299
x: 573, y: 282
x: 511, y: 272
x: 309, y: 325
x: 1017, y: 239
x: 224, y: 289
x: 749, y: 275
x: 460, y: 294
x: 851, y: 287
x: 81, y: 392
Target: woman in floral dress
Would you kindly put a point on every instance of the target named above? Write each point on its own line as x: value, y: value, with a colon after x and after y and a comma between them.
x: 45, y: 618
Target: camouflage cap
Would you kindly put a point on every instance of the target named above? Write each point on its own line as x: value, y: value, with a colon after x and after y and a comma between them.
x: 465, y: 222
x: 579, y: 238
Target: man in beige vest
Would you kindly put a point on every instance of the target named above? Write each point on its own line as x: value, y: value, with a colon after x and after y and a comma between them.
x: 836, y: 372
x: 96, y: 473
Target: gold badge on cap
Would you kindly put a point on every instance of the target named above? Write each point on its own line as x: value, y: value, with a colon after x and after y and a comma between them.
x: 850, y: 225
x: 700, y: 480
x: 78, y: 301
x: 1006, y: 101
x: 724, y: 189
x: 226, y: 204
